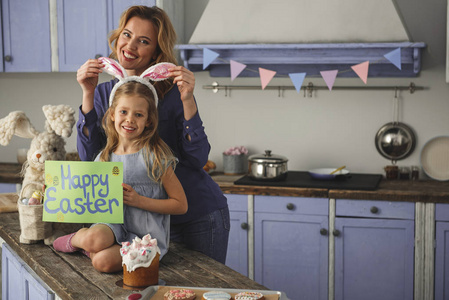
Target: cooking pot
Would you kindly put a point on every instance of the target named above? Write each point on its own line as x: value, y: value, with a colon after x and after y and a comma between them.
x: 267, y: 166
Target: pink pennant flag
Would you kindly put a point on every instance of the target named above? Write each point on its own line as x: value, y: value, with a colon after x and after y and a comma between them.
x: 329, y: 77
x: 265, y: 76
x: 362, y: 70
x: 236, y: 69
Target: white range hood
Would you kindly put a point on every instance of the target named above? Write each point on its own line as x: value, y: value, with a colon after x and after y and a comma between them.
x: 302, y: 36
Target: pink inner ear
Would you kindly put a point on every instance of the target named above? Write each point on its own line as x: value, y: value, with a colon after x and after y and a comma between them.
x: 111, y: 66
x: 159, y: 72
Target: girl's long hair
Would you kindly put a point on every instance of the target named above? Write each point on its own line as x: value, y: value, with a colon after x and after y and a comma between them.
x: 166, y: 38
x: 154, y: 148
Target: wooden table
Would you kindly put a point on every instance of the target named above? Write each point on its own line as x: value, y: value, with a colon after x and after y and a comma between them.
x: 71, y: 276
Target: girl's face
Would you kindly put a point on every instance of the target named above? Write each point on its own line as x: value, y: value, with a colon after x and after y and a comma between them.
x: 130, y: 117
x: 136, y: 45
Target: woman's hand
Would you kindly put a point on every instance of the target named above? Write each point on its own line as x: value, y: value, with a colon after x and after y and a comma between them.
x: 130, y: 196
x: 185, y: 80
x: 87, y: 75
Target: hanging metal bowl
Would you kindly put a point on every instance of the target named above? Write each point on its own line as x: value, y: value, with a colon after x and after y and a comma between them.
x: 395, y: 141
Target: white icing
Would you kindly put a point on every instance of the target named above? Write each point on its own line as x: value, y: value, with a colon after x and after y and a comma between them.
x: 216, y: 295
x: 140, y: 253
x: 248, y: 296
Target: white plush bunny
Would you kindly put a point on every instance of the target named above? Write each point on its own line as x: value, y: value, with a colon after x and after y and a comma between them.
x: 46, y: 145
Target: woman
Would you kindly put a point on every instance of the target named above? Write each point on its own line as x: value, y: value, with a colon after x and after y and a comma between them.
x: 145, y: 36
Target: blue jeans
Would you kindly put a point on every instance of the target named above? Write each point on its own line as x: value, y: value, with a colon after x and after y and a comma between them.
x: 208, y: 234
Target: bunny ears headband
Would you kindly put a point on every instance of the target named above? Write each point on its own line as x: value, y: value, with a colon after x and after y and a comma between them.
x: 157, y: 72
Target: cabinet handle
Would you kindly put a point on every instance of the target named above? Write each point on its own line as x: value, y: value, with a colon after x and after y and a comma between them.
x: 8, y: 58
x: 323, y: 231
x: 98, y: 56
x: 336, y: 232
x: 290, y: 206
x: 244, y: 226
x: 374, y: 210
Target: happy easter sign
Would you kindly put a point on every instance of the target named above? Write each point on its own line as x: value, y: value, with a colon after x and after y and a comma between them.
x: 83, y: 192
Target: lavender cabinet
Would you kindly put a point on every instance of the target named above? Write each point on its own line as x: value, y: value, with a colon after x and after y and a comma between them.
x: 237, y: 254
x: 26, y: 36
x: 374, y: 250
x: 83, y: 28
x: 19, y: 282
x: 442, y: 251
x: 291, y: 245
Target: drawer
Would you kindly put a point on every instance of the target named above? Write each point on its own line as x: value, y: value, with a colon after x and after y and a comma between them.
x: 375, y: 209
x: 441, y: 212
x: 237, y: 202
x: 291, y: 205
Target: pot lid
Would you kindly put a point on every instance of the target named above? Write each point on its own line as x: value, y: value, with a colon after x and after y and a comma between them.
x: 395, y: 141
x: 267, y: 157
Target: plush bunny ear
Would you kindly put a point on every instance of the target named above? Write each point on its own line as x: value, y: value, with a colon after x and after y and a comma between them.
x: 16, y: 123
x: 60, y: 118
x: 157, y: 72
x: 113, y: 68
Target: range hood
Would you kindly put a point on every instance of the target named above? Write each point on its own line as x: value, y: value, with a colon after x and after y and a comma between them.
x: 311, y: 36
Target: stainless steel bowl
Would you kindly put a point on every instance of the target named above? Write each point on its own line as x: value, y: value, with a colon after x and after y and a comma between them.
x: 395, y: 141
x: 267, y: 166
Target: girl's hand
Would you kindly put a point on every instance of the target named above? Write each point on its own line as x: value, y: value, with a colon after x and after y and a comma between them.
x: 130, y: 196
x: 185, y: 80
x: 87, y: 75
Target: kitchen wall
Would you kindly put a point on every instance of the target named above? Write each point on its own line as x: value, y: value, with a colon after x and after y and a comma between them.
x: 331, y: 128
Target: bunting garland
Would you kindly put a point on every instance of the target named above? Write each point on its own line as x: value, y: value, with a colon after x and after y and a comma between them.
x: 297, y: 79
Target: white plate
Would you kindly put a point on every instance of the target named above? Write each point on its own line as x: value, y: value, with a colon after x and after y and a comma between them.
x: 435, y: 158
x: 324, y: 173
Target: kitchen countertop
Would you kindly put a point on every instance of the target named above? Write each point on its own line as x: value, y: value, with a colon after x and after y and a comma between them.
x: 389, y: 190
x: 71, y: 276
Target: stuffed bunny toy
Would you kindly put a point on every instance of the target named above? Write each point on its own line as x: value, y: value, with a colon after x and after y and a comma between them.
x: 46, y: 145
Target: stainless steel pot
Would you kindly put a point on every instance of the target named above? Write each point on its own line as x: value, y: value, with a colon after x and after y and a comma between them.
x: 269, y: 167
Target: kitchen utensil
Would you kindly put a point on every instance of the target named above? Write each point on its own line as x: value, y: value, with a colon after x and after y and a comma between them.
x: 267, y: 166
x: 325, y: 173
x: 395, y: 140
x: 336, y: 170
x: 435, y: 158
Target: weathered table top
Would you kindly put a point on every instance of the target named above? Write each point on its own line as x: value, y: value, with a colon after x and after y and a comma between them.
x: 71, y: 276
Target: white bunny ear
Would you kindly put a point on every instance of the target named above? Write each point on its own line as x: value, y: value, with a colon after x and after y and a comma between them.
x: 16, y: 123
x: 113, y: 68
x: 60, y: 118
x: 158, y: 72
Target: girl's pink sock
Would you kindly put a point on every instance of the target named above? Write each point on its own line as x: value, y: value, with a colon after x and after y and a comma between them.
x: 64, y: 244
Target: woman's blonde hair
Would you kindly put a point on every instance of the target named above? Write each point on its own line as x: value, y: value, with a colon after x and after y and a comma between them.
x: 166, y: 38
x: 153, y: 146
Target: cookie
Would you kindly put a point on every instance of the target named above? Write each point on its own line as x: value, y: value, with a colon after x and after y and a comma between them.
x: 180, y: 294
x: 249, y: 296
x: 216, y: 295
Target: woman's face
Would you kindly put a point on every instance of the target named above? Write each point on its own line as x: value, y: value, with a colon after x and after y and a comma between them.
x: 136, y: 45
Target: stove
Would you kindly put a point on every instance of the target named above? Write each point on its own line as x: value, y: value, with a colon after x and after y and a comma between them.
x: 300, y: 179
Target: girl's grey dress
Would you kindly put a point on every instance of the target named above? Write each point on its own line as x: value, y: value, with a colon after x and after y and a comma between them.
x: 139, y: 222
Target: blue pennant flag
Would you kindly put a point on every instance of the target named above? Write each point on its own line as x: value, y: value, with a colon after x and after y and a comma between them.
x: 208, y: 57
x: 395, y: 57
x: 297, y: 79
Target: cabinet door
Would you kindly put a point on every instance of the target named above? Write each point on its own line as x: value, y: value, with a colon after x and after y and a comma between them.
x: 19, y: 281
x: 84, y: 26
x: 11, y: 275
x: 442, y: 261
x: 291, y: 255
x: 82, y: 32
x: 26, y: 36
x: 237, y: 254
x: 374, y: 259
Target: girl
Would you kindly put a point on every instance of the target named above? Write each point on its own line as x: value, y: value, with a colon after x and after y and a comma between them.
x: 151, y: 190
x: 145, y: 37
